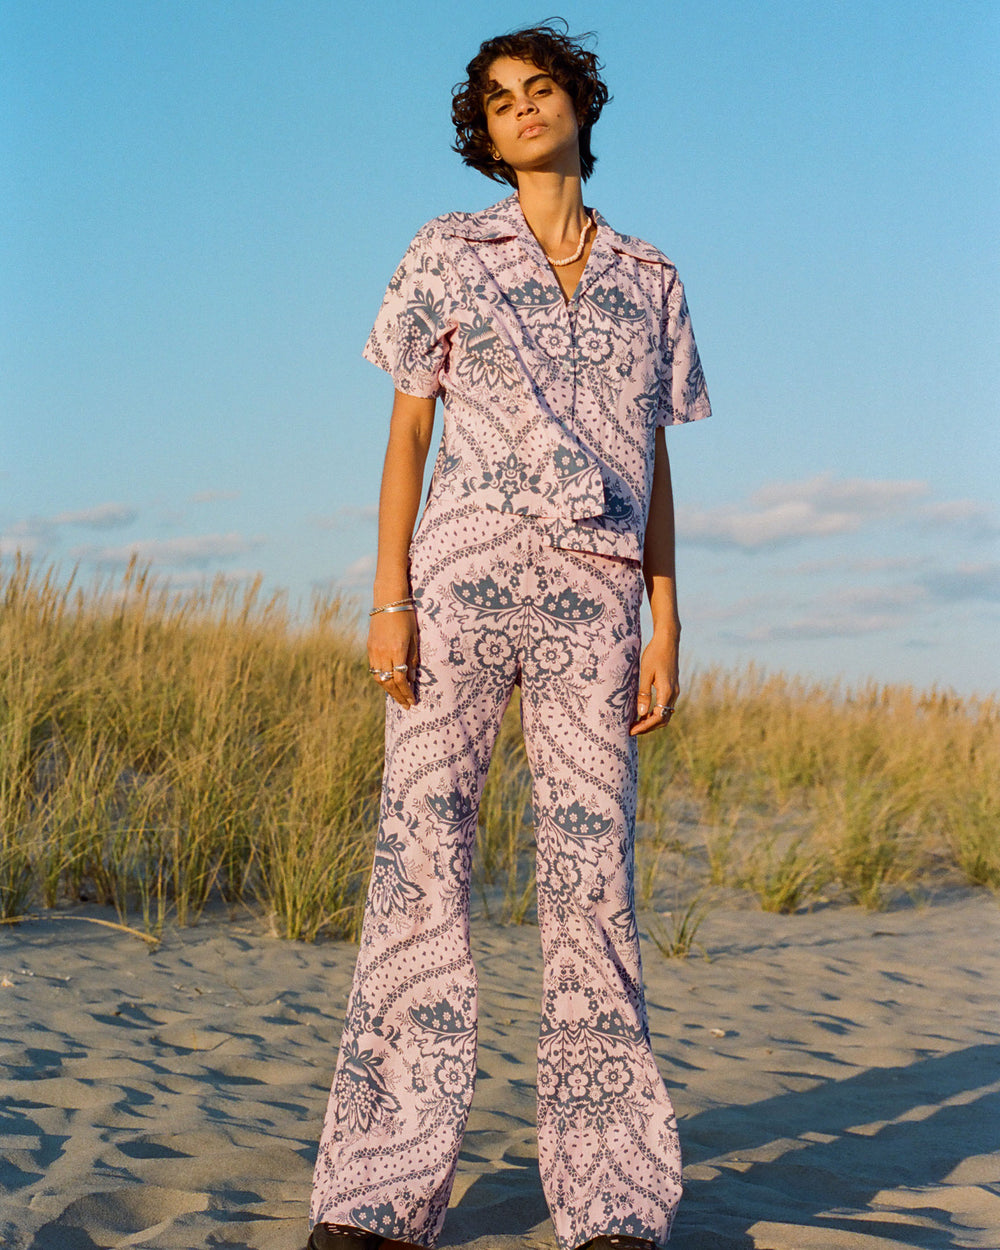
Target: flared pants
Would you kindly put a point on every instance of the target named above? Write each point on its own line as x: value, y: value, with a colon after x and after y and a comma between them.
x: 497, y: 606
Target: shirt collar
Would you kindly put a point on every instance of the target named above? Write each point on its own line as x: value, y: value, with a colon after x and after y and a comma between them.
x: 506, y: 221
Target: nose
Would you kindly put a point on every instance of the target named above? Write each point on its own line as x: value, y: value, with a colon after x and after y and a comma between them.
x: 525, y: 105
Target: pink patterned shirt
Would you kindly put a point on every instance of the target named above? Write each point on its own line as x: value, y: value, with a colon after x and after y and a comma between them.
x: 550, y: 405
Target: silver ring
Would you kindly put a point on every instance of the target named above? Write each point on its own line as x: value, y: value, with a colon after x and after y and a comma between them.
x: 385, y: 674
x: 400, y: 668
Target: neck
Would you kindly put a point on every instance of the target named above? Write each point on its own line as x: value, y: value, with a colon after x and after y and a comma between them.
x: 552, y: 204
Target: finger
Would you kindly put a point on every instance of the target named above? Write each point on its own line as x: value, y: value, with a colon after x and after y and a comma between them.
x: 396, y: 684
x: 399, y: 685
x: 655, y: 718
x: 383, y: 663
x: 399, y: 689
x: 404, y: 678
x: 404, y: 698
x: 411, y: 675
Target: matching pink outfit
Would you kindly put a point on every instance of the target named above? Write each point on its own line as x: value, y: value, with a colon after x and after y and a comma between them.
x: 526, y: 570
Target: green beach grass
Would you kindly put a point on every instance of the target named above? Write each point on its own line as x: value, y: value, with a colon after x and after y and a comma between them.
x: 159, y: 750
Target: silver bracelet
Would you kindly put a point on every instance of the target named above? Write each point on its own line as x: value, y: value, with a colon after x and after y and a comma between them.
x: 400, y: 605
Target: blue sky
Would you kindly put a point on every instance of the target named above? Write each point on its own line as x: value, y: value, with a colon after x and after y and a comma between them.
x: 201, y: 202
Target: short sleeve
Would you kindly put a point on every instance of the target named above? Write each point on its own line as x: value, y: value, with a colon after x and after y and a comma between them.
x: 683, y: 395
x: 409, y: 339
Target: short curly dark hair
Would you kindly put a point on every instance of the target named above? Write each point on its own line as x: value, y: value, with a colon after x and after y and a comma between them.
x: 562, y: 56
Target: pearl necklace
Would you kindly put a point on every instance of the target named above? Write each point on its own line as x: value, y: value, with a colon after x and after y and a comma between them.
x: 587, y: 223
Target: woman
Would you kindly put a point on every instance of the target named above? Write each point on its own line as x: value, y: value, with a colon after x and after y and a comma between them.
x: 561, y: 349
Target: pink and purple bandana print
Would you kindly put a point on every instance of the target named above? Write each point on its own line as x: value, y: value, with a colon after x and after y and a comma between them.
x: 497, y: 605
x: 549, y: 404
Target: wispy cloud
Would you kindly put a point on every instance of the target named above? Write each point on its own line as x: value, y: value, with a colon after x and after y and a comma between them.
x: 102, y: 516
x: 197, y: 550
x: 213, y: 496
x: 25, y: 538
x: 824, y: 507
x: 10, y: 548
x: 707, y: 611
x: 879, y: 598
x: 974, y: 518
x: 848, y: 564
x: 968, y: 581
x: 846, y: 612
x: 32, y: 534
x: 358, y: 573
x: 194, y: 579
x: 347, y: 516
x: 852, y: 611
x: 819, y: 626
x: 781, y: 512
x: 850, y: 495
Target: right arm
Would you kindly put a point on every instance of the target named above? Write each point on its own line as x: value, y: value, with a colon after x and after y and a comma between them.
x: 392, y: 636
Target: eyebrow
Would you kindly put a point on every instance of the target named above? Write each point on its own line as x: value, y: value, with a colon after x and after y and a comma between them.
x: 502, y: 91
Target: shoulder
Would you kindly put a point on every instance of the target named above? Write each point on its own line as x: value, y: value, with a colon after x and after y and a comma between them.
x: 496, y: 221
x: 431, y: 246
x: 430, y: 234
x: 630, y: 245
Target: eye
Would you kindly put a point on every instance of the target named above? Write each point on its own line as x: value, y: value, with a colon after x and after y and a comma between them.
x: 501, y: 108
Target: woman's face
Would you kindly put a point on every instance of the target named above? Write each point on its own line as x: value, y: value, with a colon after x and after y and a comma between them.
x: 530, y: 118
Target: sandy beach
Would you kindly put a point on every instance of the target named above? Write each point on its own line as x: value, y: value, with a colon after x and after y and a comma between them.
x: 836, y: 1075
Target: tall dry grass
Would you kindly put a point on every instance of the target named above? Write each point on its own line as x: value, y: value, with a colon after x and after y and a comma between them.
x: 800, y: 786
x: 163, y: 749
x: 159, y: 750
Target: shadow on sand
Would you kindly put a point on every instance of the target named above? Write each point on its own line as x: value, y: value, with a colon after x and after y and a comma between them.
x: 831, y: 1150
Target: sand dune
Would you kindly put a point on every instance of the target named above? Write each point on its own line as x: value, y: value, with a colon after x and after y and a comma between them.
x: 837, y: 1076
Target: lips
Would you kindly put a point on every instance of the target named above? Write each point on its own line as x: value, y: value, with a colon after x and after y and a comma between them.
x: 532, y: 128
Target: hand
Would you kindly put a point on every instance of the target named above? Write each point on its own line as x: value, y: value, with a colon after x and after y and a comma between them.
x: 392, y: 640
x: 658, y: 684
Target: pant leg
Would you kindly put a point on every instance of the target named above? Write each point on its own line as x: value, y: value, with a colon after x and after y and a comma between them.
x: 607, y: 1136
x: 406, y: 1068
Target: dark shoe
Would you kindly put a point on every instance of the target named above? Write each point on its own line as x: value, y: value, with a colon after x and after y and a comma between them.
x: 342, y: 1237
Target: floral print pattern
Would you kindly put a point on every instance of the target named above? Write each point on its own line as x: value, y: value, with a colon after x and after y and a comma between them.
x: 549, y: 404
x: 497, y: 605
x: 525, y: 569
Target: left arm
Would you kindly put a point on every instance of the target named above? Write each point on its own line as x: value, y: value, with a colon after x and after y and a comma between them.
x: 658, y: 668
